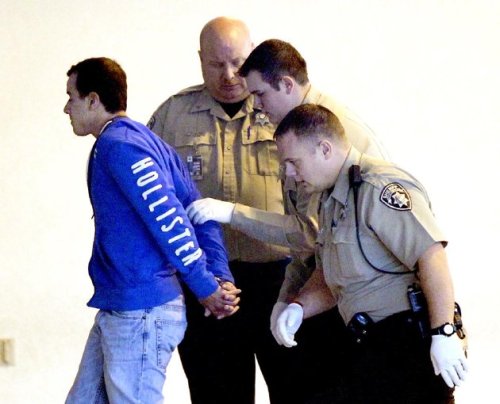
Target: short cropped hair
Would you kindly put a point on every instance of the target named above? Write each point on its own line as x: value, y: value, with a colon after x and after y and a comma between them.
x: 274, y: 59
x: 104, y: 77
x: 312, y: 121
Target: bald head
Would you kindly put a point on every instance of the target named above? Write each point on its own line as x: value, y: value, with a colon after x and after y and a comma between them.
x: 224, y: 45
x: 223, y: 29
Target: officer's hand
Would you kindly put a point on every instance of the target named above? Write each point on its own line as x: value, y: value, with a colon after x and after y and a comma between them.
x: 288, y: 323
x: 206, y: 209
x: 277, y: 310
x: 448, y: 359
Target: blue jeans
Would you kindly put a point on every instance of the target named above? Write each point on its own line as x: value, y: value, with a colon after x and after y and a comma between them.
x: 127, y: 353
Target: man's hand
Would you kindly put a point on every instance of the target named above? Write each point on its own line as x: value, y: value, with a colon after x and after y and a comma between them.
x: 288, y: 323
x: 231, y: 297
x: 202, y: 210
x: 278, y: 308
x: 448, y: 359
x: 223, y: 302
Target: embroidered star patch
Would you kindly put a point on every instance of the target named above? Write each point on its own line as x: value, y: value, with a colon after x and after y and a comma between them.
x: 396, y: 197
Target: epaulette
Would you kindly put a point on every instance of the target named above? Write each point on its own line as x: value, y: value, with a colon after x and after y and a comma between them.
x: 193, y: 89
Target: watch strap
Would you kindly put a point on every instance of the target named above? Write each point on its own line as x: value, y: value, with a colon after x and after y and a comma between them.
x: 446, y: 329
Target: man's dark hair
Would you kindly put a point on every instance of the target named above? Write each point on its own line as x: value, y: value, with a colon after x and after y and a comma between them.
x: 104, y: 77
x: 311, y: 120
x: 274, y: 59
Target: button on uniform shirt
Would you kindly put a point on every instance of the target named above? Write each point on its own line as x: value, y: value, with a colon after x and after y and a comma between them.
x: 238, y: 158
x: 396, y: 227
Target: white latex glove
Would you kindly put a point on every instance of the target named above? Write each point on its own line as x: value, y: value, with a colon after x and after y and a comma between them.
x: 206, y: 209
x: 277, y: 310
x: 448, y: 359
x: 288, y: 323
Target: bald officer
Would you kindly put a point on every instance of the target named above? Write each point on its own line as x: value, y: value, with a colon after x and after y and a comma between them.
x: 373, y: 248
x: 230, y: 152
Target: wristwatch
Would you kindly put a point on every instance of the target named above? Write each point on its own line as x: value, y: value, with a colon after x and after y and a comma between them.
x: 446, y: 329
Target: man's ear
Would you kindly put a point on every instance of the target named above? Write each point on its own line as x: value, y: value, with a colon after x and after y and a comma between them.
x: 93, y: 100
x: 326, y: 148
x: 289, y: 83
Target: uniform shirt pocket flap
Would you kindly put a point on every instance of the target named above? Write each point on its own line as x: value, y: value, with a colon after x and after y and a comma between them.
x: 194, y: 139
x: 257, y: 134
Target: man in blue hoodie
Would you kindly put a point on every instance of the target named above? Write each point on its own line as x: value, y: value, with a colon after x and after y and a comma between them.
x: 144, y: 245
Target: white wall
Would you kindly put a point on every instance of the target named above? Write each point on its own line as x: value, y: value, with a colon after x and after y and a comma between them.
x: 423, y: 74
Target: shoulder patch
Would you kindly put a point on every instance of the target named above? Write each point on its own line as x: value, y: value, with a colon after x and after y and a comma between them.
x: 395, y: 196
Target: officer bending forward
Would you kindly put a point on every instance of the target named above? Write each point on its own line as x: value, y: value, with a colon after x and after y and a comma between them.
x: 378, y: 243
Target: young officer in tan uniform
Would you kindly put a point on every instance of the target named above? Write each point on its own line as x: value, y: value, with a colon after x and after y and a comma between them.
x: 277, y: 76
x: 371, y: 248
x: 229, y: 149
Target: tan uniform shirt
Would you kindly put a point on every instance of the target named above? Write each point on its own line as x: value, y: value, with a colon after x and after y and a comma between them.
x: 299, y: 228
x: 396, y: 227
x: 232, y: 159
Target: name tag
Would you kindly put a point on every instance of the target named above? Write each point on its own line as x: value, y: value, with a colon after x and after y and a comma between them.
x: 195, y: 167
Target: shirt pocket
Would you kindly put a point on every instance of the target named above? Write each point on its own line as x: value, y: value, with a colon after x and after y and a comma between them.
x: 351, y: 262
x: 260, y: 153
x: 195, y: 144
x: 345, y: 256
x: 203, y: 146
